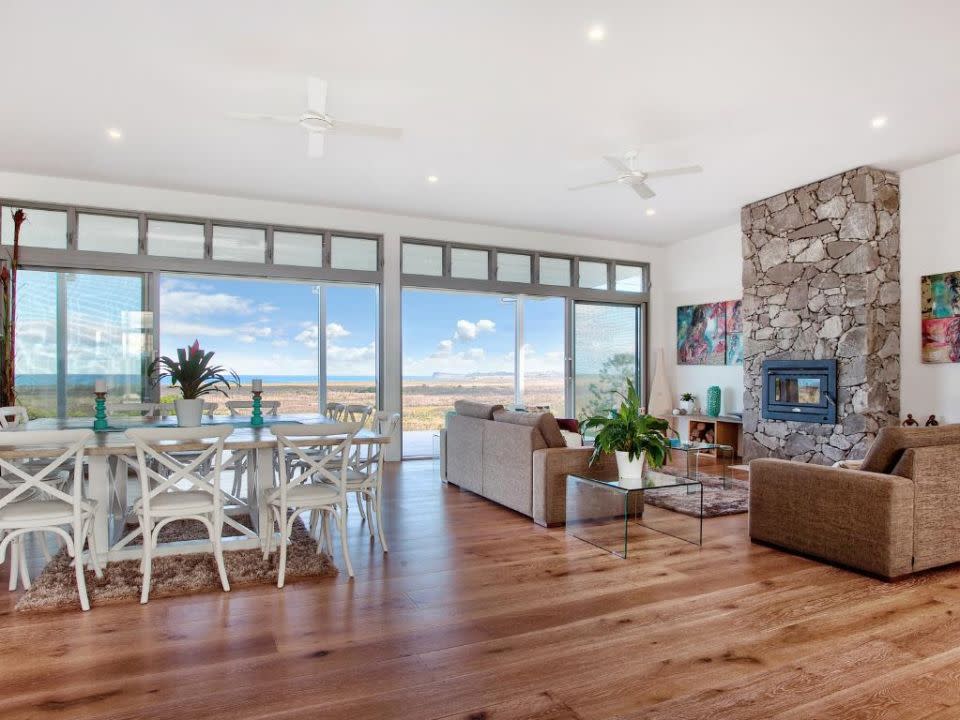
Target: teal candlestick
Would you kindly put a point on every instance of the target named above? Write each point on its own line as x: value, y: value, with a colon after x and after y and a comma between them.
x: 256, y: 417
x: 100, y: 417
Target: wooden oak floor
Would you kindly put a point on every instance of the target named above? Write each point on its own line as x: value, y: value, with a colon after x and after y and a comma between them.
x: 478, y: 613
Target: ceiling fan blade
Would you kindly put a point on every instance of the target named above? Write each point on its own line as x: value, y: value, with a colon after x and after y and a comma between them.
x: 263, y: 117
x: 590, y: 185
x: 643, y: 190
x: 688, y: 170
x: 618, y: 164
x: 349, y: 128
x: 317, y: 95
x: 315, y: 144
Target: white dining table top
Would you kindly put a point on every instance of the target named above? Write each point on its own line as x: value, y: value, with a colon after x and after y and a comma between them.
x: 113, y: 441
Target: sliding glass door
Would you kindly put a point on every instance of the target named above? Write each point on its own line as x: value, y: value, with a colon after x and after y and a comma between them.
x: 607, y: 353
x: 74, y: 328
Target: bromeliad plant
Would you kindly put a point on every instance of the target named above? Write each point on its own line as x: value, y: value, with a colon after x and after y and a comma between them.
x: 630, y: 430
x: 193, y: 373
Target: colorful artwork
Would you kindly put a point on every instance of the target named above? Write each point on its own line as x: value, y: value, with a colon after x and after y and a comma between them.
x: 734, y: 332
x: 710, y: 334
x: 940, y: 317
x: 701, y: 334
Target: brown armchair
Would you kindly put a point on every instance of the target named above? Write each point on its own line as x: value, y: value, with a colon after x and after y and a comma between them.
x: 897, y: 514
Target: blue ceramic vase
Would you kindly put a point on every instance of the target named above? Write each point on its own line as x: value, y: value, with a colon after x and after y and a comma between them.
x: 713, y: 400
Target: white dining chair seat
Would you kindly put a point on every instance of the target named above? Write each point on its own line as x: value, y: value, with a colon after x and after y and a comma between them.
x: 178, y: 502
x: 320, y: 492
x: 49, y: 512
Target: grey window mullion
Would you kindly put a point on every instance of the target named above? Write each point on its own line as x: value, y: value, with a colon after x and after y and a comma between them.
x: 61, y: 344
x: 492, y: 265
x: 142, y: 248
x: 447, y: 261
x: 327, y: 249
x: 72, y: 229
x: 208, y: 240
x: 322, y: 347
x: 611, y: 276
x: 268, y: 245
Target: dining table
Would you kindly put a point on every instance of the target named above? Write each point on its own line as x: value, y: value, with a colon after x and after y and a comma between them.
x: 110, y: 455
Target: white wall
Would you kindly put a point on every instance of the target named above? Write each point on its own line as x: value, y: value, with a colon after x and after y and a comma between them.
x: 929, y: 244
x: 701, y: 269
x: 127, y: 197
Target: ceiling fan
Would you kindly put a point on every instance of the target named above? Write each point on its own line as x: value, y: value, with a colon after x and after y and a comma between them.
x: 631, y: 176
x: 318, y: 123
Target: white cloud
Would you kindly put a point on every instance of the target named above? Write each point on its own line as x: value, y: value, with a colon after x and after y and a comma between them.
x: 195, y: 330
x: 444, y: 348
x: 467, y: 330
x: 475, y: 353
x: 260, y: 331
x: 246, y: 338
x: 267, y: 308
x: 355, y: 360
x: 336, y: 330
x: 280, y: 343
x: 309, y: 336
x: 192, y: 303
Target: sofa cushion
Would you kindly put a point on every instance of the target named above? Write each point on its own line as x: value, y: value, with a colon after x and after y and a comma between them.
x: 546, y: 423
x: 475, y: 409
x: 891, y: 442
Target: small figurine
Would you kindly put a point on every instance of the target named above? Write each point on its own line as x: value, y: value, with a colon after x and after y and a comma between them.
x: 910, y: 422
x: 931, y: 421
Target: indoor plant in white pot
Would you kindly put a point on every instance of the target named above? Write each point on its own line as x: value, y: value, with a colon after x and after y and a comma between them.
x: 688, y: 402
x: 196, y: 377
x: 635, y: 437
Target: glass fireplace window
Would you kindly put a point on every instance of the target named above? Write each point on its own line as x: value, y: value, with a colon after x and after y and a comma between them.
x: 802, y: 391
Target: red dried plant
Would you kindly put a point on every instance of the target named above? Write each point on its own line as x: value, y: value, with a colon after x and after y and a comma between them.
x: 8, y: 286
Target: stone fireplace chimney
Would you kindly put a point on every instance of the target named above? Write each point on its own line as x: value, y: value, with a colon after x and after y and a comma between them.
x: 821, y: 280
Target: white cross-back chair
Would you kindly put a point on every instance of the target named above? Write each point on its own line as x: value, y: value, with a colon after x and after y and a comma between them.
x: 318, y: 483
x: 365, y: 474
x: 335, y: 411
x: 34, y: 499
x: 13, y: 417
x: 357, y: 414
x: 179, y: 488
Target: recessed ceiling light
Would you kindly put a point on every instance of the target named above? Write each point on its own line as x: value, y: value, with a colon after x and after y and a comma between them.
x: 650, y: 211
x: 880, y: 121
x: 596, y: 33
x: 114, y: 133
x: 432, y: 179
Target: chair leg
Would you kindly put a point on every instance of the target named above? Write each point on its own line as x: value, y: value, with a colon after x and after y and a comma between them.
x: 378, y: 509
x: 369, y: 503
x: 359, y: 497
x: 327, y: 532
x: 284, y: 534
x: 218, y: 554
x: 342, y: 522
x: 14, y: 565
x: 43, y: 546
x: 22, y: 559
x: 92, y: 547
x: 77, y: 541
x: 147, y: 563
x: 268, y: 542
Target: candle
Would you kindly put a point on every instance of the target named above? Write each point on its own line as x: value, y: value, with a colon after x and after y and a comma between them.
x: 100, y: 386
x: 257, y: 385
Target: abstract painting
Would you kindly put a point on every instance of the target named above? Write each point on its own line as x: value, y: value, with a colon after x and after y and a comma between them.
x: 710, y: 334
x: 734, y: 332
x: 701, y: 334
x: 940, y: 317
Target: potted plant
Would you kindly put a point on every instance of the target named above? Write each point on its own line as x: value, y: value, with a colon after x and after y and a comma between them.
x: 196, y: 377
x: 635, y: 437
x: 687, y: 403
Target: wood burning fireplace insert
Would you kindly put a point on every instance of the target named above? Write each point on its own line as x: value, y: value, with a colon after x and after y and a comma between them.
x: 800, y: 390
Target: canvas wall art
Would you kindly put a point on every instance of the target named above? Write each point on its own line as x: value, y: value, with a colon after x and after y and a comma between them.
x: 940, y: 317
x: 710, y: 334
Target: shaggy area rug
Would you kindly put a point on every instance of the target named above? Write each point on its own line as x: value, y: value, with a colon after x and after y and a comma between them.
x: 56, y: 587
x: 717, y: 500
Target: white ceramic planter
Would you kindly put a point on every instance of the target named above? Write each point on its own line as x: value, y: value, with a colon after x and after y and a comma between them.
x: 688, y: 406
x: 189, y: 412
x: 630, y: 469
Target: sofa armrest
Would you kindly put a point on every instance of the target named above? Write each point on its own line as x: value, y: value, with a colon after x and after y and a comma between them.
x: 550, y: 469
x: 935, y: 471
x: 850, y: 517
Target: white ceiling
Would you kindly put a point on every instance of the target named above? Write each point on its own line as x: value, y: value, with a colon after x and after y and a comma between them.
x: 507, y: 102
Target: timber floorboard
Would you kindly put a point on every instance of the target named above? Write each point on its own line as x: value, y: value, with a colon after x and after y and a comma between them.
x: 478, y: 614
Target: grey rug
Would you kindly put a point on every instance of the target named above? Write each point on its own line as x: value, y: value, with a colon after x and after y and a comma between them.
x: 56, y: 586
x: 717, y: 501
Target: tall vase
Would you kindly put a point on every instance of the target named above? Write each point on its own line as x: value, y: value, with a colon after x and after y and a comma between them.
x: 713, y: 400
x: 661, y: 399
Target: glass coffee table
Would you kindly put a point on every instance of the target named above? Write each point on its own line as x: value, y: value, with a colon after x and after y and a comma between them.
x: 607, y: 511
x: 724, y: 456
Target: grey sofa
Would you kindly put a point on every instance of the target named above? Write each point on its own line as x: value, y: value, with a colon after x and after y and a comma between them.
x: 517, y: 459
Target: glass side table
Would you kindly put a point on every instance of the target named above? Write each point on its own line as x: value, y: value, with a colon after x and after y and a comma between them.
x: 691, y: 451
x: 606, y: 511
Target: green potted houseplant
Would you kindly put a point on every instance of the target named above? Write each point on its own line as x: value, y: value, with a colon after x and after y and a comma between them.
x: 196, y: 377
x: 633, y: 436
x: 687, y: 402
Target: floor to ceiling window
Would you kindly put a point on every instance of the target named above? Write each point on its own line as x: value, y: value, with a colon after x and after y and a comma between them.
x: 607, y: 353
x: 74, y: 328
x: 543, y: 354
x: 456, y: 345
x: 276, y: 331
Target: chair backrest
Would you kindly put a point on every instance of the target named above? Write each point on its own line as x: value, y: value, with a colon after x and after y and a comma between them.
x: 13, y: 417
x: 161, y: 470
x: 29, y: 482
x: 144, y: 409
x: 335, y: 411
x: 357, y: 413
x: 267, y: 407
x: 385, y: 423
x: 293, y: 439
